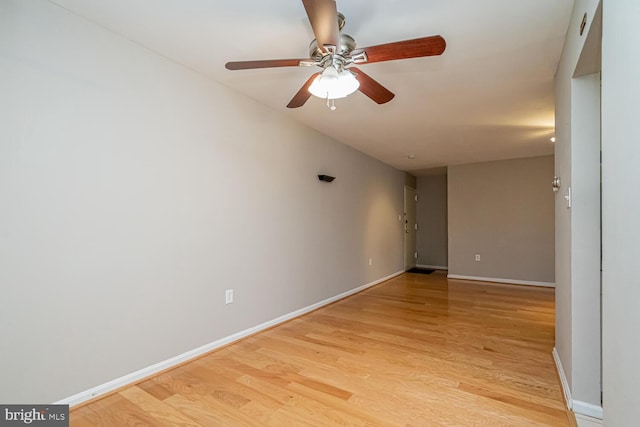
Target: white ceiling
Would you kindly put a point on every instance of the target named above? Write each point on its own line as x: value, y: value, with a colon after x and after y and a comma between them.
x: 488, y: 97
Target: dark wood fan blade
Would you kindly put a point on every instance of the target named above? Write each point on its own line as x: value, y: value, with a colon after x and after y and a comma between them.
x: 416, y: 48
x: 270, y: 63
x: 323, y: 16
x: 303, y: 94
x: 372, y: 88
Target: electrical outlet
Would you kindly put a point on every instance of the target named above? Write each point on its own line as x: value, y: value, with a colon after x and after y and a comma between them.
x: 477, y: 257
x: 370, y: 261
x: 228, y: 296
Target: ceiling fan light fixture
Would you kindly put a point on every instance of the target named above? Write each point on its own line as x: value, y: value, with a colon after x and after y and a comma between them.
x: 332, y: 84
x: 332, y: 50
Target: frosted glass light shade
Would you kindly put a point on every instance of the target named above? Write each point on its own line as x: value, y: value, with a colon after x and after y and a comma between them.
x: 333, y: 85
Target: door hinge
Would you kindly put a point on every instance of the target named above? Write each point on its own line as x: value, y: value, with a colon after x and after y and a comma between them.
x: 415, y: 226
x: 415, y: 254
x: 416, y: 197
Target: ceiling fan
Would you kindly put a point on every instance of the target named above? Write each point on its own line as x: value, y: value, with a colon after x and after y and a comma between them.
x: 334, y: 51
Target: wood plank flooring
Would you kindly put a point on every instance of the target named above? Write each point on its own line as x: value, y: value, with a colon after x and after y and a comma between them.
x: 417, y: 350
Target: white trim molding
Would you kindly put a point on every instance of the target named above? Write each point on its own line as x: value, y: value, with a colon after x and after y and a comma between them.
x: 498, y: 280
x: 586, y: 411
x: 435, y: 267
x: 563, y: 379
x: 585, y: 421
x: 590, y: 410
x: 143, y: 373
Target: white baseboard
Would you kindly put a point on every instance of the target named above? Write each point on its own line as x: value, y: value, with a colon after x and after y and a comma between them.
x: 585, y: 421
x: 588, y: 409
x: 589, y: 412
x: 563, y: 379
x: 143, y: 373
x: 435, y: 267
x: 498, y: 280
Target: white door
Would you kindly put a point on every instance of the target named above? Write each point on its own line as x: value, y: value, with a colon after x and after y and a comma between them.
x: 410, y: 200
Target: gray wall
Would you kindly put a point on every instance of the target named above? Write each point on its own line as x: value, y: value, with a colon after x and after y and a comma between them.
x: 577, y: 153
x: 432, y: 238
x: 503, y: 211
x: 620, y: 212
x: 135, y: 191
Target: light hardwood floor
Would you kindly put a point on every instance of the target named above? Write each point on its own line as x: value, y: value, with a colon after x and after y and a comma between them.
x: 417, y: 350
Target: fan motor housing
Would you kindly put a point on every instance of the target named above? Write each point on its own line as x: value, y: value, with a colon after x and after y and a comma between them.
x: 347, y: 45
